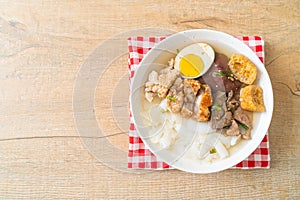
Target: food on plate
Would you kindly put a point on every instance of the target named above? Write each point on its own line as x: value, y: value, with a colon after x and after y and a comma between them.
x: 244, y: 118
x: 191, y: 88
x: 169, y: 132
x: 219, y: 77
x: 242, y: 68
x: 224, y: 98
x: 220, y: 116
x: 202, y: 104
x: 175, y: 97
x: 251, y: 98
x: 184, y: 96
x: 194, y: 60
x: 159, y: 84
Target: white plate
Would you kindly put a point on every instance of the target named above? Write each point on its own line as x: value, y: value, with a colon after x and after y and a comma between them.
x: 159, y: 56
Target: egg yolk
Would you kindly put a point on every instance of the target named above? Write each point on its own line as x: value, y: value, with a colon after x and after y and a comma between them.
x: 191, y: 65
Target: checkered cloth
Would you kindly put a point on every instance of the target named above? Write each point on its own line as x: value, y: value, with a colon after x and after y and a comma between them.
x: 139, y: 157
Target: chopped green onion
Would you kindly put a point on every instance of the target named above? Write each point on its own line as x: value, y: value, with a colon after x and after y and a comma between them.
x: 244, y: 126
x: 217, y: 107
x: 177, y: 50
x: 231, y: 77
x: 229, y: 71
x: 171, y: 98
x: 212, y: 151
x: 220, y: 74
x: 226, y: 127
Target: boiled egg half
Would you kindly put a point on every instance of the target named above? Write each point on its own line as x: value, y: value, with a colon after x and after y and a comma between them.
x: 194, y: 60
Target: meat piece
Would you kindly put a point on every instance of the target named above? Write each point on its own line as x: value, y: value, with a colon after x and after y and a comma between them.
x: 159, y: 84
x: 233, y: 101
x: 219, y: 98
x: 221, y: 62
x: 166, y: 78
x: 202, y: 104
x: 149, y: 96
x: 153, y: 77
x: 244, y: 117
x: 219, y: 106
x: 186, y: 111
x: 246, y: 135
x: 190, y: 88
x: 225, y: 120
x: 233, y: 129
x: 175, y: 96
x: 230, y: 95
x: 151, y: 86
x: 219, y: 77
x: 220, y: 117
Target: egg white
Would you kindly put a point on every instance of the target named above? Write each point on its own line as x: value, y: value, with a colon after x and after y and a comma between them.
x: 202, y: 50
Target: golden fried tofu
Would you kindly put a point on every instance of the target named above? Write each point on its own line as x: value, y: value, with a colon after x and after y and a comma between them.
x: 251, y: 98
x: 242, y: 68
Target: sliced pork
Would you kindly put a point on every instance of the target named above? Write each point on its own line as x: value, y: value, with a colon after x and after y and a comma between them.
x: 233, y: 101
x: 175, y: 97
x: 220, y: 117
x: 244, y: 117
x: 190, y: 88
x: 166, y: 78
x: 158, y: 84
x: 233, y: 130
x: 151, y: 86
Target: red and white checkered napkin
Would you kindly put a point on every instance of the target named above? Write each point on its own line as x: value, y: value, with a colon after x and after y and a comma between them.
x: 139, y: 157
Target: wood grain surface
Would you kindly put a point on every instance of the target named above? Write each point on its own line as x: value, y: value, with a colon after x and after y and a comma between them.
x: 43, y: 46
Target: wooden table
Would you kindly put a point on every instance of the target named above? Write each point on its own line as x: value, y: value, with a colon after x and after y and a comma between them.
x: 43, y: 46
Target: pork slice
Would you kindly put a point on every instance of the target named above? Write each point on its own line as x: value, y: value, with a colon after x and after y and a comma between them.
x: 149, y: 96
x: 219, y: 98
x: 232, y: 101
x: 243, y: 116
x: 190, y: 89
x: 151, y: 86
x: 186, y: 111
x: 153, y: 77
x: 246, y: 135
x: 220, y: 117
x: 166, y: 78
x: 230, y: 95
x: 225, y: 120
x: 233, y: 129
x: 175, y: 96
